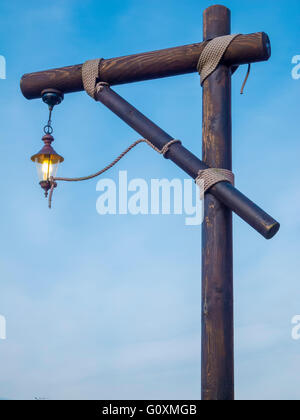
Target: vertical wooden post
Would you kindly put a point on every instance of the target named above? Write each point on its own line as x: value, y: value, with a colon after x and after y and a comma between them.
x: 217, y: 275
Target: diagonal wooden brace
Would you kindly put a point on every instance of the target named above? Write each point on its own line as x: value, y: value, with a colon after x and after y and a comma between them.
x: 188, y: 162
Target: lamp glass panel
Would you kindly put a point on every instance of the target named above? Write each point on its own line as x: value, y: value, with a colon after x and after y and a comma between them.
x: 47, y: 166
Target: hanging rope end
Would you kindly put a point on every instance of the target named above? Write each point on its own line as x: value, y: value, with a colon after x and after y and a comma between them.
x: 246, y: 78
x: 53, y: 185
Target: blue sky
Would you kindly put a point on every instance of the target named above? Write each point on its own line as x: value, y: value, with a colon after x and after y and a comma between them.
x: 109, y: 306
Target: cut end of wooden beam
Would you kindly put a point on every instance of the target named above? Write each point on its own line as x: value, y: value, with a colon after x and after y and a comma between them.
x: 266, y: 44
x: 216, y: 21
x: 66, y: 79
x: 216, y: 7
x: 273, y: 229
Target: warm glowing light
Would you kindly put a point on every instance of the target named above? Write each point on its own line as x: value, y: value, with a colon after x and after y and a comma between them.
x: 47, y: 169
x: 47, y: 161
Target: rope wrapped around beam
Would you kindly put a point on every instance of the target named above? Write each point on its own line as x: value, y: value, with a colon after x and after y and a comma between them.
x: 212, y: 55
x: 90, y: 75
x: 207, y: 178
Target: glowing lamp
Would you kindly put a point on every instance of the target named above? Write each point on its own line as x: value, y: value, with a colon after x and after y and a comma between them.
x: 47, y: 162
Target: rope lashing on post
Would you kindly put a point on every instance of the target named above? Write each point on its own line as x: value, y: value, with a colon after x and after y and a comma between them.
x: 207, y: 178
x: 162, y: 151
x: 212, y: 55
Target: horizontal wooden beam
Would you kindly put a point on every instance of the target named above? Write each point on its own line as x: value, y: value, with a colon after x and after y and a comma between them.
x: 151, y: 65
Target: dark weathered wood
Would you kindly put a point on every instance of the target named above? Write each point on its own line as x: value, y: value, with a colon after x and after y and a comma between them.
x: 217, y: 257
x: 151, y: 65
x: 233, y: 198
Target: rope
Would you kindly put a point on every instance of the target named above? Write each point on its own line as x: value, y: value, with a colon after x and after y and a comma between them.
x: 209, y: 60
x: 246, y: 78
x: 90, y: 74
x: 162, y: 151
x: 211, y: 176
x: 212, y: 55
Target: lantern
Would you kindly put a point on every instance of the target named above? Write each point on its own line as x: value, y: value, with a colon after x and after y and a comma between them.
x: 47, y: 162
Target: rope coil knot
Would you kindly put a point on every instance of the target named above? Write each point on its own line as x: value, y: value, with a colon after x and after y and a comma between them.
x: 90, y: 74
x: 207, y: 178
x: 212, y: 55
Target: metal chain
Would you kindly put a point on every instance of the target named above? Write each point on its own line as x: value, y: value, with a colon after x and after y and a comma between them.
x: 48, y: 127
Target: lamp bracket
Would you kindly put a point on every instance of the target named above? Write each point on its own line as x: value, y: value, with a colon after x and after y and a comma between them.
x: 52, y: 97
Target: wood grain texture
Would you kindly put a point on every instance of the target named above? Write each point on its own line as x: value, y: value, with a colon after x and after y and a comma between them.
x: 151, y: 65
x: 217, y: 257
